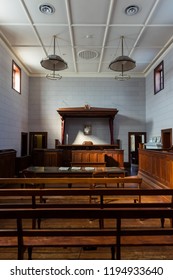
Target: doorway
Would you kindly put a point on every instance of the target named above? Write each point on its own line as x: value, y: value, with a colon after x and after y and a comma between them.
x: 37, y: 140
x: 135, y: 138
x: 24, y: 144
x: 166, y: 135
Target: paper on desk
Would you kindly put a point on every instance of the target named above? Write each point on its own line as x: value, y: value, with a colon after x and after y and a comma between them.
x: 63, y: 168
x: 75, y: 168
x: 89, y: 168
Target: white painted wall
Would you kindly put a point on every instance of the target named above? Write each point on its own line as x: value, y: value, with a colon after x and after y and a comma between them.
x: 13, y: 106
x: 139, y: 109
x: 36, y: 111
x: 46, y: 96
x: 159, y: 107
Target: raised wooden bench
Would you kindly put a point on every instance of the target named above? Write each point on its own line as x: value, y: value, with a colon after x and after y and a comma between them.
x: 110, y: 237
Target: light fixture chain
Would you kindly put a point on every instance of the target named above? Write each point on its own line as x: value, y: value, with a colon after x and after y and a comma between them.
x: 54, y: 38
x: 122, y: 45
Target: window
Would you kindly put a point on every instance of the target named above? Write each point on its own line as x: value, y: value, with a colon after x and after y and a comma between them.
x: 16, y: 77
x: 158, y: 78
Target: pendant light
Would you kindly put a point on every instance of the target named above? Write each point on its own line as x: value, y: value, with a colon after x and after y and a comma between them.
x: 54, y: 62
x: 122, y: 63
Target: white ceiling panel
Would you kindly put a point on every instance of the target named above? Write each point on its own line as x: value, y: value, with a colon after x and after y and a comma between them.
x: 162, y: 14
x: 145, y: 55
x: 58, y: 17
x: 119, y: 16
x: 88, y: 35
x: 105, y: 69
x: 89, y: 11
x: 20, y: 35
x: 12, y: 12
x: 110, y: 54
x: 30, y: 55
x: 140, y: 67
x: 87, y: 67
x: 62, y: 33
x: 155, y: 36
x: 130, y: 34
x: 93, y: 26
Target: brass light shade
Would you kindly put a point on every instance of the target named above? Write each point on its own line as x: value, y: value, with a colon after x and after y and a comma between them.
x: 54, y: 62
x: 122, y: 63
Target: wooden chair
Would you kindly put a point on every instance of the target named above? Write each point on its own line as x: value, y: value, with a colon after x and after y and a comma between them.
x: 30, y: 174
x: 87, y: 143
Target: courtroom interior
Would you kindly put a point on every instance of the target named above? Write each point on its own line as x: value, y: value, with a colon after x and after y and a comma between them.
x: 86, y: 142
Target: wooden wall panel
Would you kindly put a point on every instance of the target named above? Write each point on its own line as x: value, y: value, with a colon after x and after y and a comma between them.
x: 156, y: 168
x: 7, y: 163
x: 64, y: 157
x: 114, y: 158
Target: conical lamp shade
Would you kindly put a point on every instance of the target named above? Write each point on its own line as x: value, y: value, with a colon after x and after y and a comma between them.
x: 54, y: 62
x: 122, y: 63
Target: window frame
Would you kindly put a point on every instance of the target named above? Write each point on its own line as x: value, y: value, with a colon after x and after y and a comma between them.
x: 159, y: 77
x: 16, y: 75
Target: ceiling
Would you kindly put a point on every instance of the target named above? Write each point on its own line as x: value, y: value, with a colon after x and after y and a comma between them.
x: 87, y: 27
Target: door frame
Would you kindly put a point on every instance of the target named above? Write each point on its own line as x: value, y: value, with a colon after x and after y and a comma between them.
x: 31, y: 140
x: 166, y: 136
x: 24, y: 144
x: 129, y: 141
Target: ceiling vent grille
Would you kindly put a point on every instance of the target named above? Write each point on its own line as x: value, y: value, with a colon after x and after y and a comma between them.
x: 132, y: 10
x: 88, y: 54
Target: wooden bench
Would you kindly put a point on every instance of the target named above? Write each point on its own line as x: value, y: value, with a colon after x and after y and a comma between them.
x: 109, y: 237
x: 135, y: 180
x: 91, y: 237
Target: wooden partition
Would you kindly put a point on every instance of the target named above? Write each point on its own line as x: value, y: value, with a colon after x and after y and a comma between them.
x: 66, y: 155
x: 22, y: 163
x: 89, y: 158
x: 47, y: 157
x: 156, y: 168
x: 7, y: 163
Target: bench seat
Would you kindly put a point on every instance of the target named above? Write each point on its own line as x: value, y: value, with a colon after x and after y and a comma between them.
x: 120, y: 234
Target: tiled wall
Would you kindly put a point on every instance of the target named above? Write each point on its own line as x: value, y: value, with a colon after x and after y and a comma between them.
x: 13, y: 106
x: 47, y: 96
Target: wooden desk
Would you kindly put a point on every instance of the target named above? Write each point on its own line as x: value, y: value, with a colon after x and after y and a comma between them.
x: 71, y: 172
x: 90, y: 164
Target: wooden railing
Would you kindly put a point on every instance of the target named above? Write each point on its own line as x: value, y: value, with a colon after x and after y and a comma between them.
x: 156, y: 168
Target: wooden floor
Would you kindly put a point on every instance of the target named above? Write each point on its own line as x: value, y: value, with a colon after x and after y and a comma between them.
x: 162, y: 250
x: 128, y: 253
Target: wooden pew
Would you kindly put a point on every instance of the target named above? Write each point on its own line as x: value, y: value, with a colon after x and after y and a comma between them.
x: 22, y: 238
x: 80, y: 181
x: 92, y: 237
